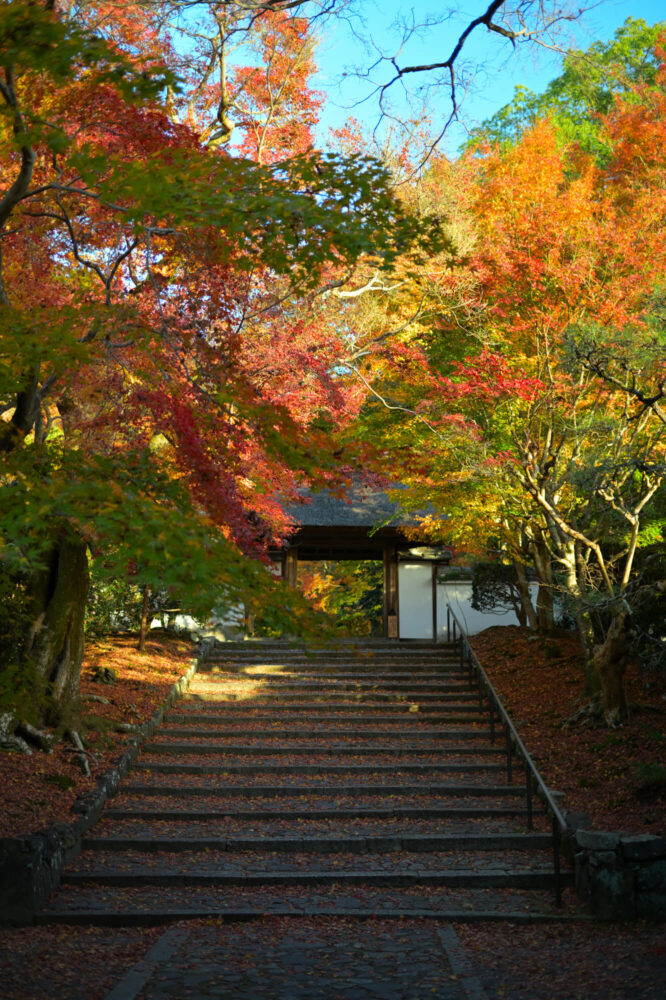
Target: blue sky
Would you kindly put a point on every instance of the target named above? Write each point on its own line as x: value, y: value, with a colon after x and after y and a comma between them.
x: 494, y: 69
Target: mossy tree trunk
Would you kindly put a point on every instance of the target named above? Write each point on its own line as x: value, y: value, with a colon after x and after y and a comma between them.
x: 143, y: 626
x: 610, y: 661
x: 55, y: 641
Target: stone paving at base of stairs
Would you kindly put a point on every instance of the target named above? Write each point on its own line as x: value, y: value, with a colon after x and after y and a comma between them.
x: 282, y: 959
x: 118, y: 905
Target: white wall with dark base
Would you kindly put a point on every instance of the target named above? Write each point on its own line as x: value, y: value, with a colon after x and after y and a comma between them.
x: 415, y: 599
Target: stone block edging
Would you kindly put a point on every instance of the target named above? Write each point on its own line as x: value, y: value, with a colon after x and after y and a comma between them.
x: 619, y: 876
x: 31, y: 866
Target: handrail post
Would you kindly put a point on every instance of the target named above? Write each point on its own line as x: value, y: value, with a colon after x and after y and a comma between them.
x: 556, y: 862
x: 528, y: 788
x: 492, y: 721
x: 448, y: 623
x: 509, y: 767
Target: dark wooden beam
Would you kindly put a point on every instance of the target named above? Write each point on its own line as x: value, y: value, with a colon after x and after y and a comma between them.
x: 290, y: 567
x: 390, y: 603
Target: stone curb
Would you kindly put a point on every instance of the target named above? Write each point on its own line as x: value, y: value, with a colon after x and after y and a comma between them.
x: 162, y: 951
x: 31, y: 866
x: 460, y: 964
x: 152, y: 918
x: 531, y: 878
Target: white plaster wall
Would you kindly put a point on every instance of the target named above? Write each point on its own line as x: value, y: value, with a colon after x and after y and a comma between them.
x: 459, y: 596
x: 415, y: 600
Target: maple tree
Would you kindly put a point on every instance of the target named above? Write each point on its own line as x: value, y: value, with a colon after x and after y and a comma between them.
x: 576, y: 100
x: 584, y: 257
x: 520, y: 387
x: 163, y: 388
x: 195, y: 305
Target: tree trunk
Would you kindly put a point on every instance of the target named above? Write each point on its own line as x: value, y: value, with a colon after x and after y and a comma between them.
x: 587, y: 642
x: 545, y: 610
x: 544, y: 603
x: 55, y: 640
x: 528, y: 613
x: 567, y: 557
x: 610, y: 661
x: 143, y: 627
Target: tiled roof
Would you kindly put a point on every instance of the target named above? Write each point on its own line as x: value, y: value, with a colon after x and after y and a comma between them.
x: 362, y: 507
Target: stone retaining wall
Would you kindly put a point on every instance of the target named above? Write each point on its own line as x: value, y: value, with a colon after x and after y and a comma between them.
x: 31, y: 866
x: 621, y: 877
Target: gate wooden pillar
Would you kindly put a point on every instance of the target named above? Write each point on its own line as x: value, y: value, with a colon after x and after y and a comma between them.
x: 290, y: 567
x: 390, y: 609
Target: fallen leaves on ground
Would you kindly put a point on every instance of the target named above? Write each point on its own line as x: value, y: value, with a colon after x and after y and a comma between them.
x: 540, y: 680
x: 69, y: 963
x: 570, y: 962
x: 39, y: 790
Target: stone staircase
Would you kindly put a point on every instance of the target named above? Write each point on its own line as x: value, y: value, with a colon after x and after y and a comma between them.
x: 354, y: 781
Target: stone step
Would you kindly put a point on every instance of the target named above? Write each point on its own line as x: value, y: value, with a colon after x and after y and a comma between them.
x: 252, y: 706
x: 354, y: 653
x: 225, y: 828
x: 347, y: 724
x: 355, y: 782
x: 370, y: 661
x: 416, y: 726
x: 354, y: 770
x: 542, y: 878
x: 427, y: 746
x: 454, y: 790
x: 343, y: 750
x: 337, y: 684
x: 455, y: 681
x: 146, y: 826
x: 356, y: 647
x: 230, y: 716
x: 316, y: 695
x: 439, y: 651
x: 414, y: 843
x: 367, y: 671
x: 356, y: 650
x: 449, y: 671
x: 389, y: 813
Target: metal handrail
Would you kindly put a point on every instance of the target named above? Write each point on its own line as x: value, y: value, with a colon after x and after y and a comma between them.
x: 513, y: 740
